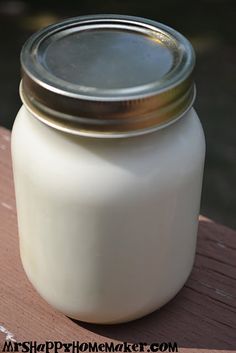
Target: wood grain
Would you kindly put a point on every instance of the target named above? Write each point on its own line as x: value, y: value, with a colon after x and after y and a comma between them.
x: 201, y: 317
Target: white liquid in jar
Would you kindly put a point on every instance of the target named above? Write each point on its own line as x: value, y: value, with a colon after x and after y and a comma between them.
x: 107, y: 226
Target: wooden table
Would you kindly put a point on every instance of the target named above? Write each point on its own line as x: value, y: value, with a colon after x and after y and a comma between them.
x: 201, y: 317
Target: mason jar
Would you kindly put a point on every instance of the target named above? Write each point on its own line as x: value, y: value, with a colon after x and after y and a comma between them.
x: 108, y: 158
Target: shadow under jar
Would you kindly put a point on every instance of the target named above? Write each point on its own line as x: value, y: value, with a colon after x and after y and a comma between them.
x: 108, y: 158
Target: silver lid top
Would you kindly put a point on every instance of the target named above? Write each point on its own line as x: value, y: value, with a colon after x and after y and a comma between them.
x: 107, y: 75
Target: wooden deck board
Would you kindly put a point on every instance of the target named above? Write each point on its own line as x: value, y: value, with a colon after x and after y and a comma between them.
x: 201, y: 317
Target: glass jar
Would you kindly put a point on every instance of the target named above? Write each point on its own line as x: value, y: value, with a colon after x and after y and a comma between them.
x: 108, y: 158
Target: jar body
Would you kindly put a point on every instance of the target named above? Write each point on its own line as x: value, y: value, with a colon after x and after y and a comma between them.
x: 107, y: 227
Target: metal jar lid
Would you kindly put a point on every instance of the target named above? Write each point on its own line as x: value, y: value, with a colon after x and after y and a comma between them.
x: 107, y: 75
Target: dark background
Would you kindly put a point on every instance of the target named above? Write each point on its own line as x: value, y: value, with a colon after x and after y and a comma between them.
x: 208, y: 24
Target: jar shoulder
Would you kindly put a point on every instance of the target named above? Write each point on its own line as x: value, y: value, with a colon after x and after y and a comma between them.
x: 58, y: 159
x: 28, y: 129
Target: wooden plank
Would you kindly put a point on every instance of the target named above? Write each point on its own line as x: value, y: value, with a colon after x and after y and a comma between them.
x: 201, y: 317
